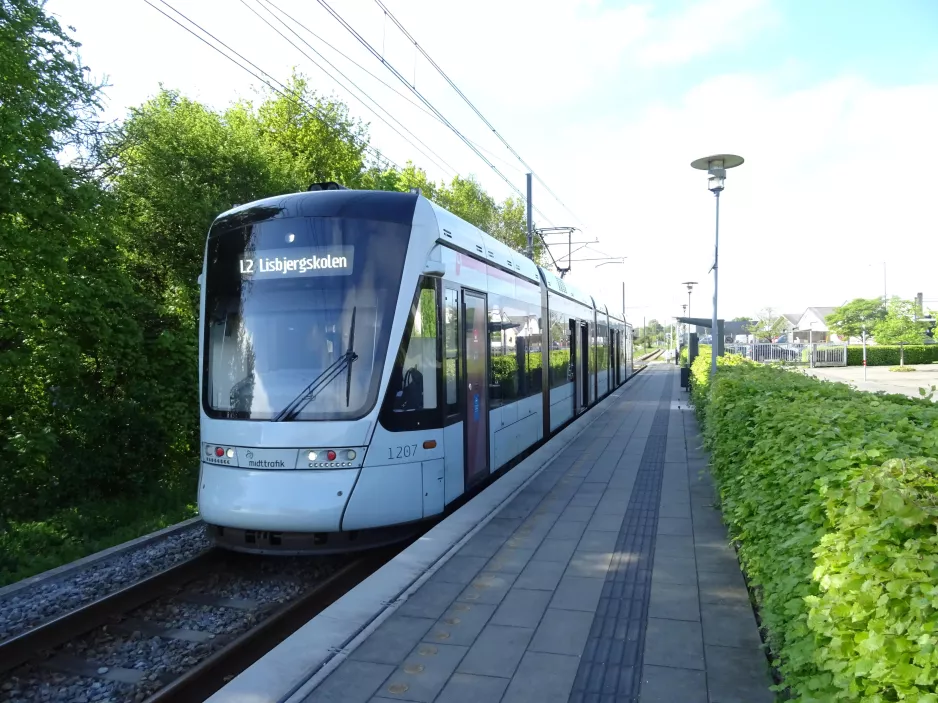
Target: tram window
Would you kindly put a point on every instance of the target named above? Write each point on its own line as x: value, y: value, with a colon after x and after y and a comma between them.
x: 503, y: 382
x: 451, y: 349
x: 416, y: 387
x: 515, y: 344
x: 559, y: 356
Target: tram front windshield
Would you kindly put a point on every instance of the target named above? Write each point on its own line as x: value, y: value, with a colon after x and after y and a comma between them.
x: 299, y: 304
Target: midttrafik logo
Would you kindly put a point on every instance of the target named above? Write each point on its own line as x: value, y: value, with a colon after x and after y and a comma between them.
x: 265, y: 464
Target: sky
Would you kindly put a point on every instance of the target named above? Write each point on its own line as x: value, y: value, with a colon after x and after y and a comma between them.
x: 833, y: 105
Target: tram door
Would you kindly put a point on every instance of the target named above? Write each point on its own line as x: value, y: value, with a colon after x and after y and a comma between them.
x: 573, y: 371
x: 584, y: 365
x: 579, y: 355
x: 475, y: 334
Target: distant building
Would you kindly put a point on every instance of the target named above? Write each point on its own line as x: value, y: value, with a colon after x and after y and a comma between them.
x: 789, y: 321
x: 812, y: 326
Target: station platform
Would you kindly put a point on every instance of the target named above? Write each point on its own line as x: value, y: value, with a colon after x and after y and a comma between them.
x: 606, y: 576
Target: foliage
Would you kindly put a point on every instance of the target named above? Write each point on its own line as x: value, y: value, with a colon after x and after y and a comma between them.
x: 829, y: 493
x: 703, y: 350
x: 768, y: 325
x: 902, y: 368
x: 899, y: 325
x: 877, y: 572
x: 99, y: 259
x: 653, y: 334
x: 78, y: 371
x: 882, y: 355
x: 850, y: 319
x: 30, y: 547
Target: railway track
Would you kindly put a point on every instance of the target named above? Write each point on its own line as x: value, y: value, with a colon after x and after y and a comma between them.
x: 651, y: 356
x: 180, y: 634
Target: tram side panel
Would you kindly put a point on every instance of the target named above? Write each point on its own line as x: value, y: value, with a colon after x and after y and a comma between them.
x: 402, y: 479
x: 623, y: 366
x: 417, y: 461
x: 415, y: 464
x: 515, y: 376
x: 602, y: 354
x: 568, y: 330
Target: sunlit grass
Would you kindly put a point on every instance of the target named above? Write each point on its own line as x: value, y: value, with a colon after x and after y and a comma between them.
x: 29, y: 548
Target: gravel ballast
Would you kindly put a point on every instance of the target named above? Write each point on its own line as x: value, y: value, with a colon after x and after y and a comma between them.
x: 31, y: 606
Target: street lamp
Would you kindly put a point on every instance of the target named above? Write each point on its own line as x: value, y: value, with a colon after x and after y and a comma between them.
x: 690, y: 286
x: 716, y: 166
x: 686, y: 324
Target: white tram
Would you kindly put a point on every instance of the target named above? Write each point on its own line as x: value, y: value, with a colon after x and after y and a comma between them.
x: 367, y: 358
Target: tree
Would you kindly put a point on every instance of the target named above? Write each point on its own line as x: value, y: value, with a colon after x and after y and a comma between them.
x: 74, y: 363
x: 850, y: 319
x: 99, y: 258
x: 767, y: 326
x: 899, y: 325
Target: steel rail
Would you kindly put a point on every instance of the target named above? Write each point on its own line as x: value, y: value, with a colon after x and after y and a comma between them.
x: 24, y: 646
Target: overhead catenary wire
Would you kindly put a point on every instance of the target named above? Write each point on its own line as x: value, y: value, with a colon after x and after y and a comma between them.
x: 269, y: 81
x: 282, y: 91
x: 364, y: 42
x: 474, y: 108
x: 380, y: 80
x: 441, y: 164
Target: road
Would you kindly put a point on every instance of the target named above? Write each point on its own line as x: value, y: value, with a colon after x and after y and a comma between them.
x: 880, y: 378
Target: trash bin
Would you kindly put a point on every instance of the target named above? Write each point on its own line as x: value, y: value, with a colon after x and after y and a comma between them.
x: 685, y: 377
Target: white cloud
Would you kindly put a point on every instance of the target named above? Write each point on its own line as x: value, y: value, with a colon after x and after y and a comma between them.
x: 838, y: 177
x: 839, y: 174
x: 705, y: 27
x: 513, y: 53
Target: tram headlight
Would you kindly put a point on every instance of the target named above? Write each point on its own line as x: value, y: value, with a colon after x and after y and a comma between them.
x: 350, y: 455
x: 312, y: 456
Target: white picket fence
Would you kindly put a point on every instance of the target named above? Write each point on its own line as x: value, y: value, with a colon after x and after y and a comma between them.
x: 811, y: 355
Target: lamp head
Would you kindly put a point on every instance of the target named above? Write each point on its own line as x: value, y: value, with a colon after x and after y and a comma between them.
x: 716, y: 166
x: 717, y: 179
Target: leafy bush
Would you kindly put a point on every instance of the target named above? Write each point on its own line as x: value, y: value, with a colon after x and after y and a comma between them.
x: 878, y: 573
x: 30, y: 547
x: 882, y: 355
x: 98, y: 265
x: 702, y: 350
x: 837, y: 540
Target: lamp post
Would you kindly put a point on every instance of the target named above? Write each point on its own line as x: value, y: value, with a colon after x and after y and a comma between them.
x: 716, y: 166
x: 690, y: 286
x: 686, y: 324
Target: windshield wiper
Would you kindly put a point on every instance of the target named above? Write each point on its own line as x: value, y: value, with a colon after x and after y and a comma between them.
x: 350, y: 351
x: 319, y: 383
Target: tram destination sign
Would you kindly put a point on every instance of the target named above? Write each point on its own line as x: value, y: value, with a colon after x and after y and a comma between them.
x: 297, y: 261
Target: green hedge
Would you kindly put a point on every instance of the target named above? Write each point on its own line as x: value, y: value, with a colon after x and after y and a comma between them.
x: 702, y: 350
x: 889, y: 355
x: 830, y: 495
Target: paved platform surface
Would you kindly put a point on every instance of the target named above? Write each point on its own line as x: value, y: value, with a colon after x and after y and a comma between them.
x: 880, y: 378
x: 608, y: 578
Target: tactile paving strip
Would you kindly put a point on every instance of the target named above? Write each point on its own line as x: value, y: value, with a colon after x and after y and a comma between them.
x: 611, y: 666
